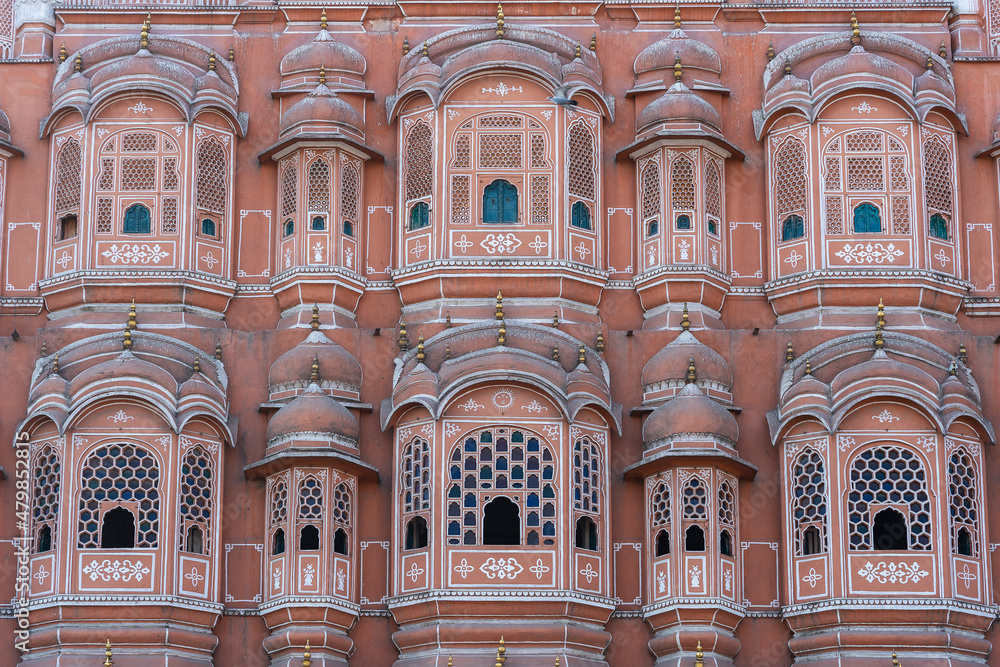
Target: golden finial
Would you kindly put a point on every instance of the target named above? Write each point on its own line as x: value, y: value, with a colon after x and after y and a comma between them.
x: 579, y: 50
x: 197, y: 365
x: 447, y: 351
x: 500, y: 21
x: 132, y: 321
x: 144, y: 36
x: 62, y: 53
x: 406, y: 45
x: 770, y: 51
x: 855, y: 30
x: 699, y: 657
x: 218, y: 350
x: 499, y: 314
x: 789, y: 352
x: 502, y: 650
x: 788, y: 66
x: 930, y: 62
x: 962, y: 356
x: 691, y: 376
x: 107, y: 654
x: 211, y: 62
x: 685, y: 320
x: 895, y: 660
x: 678, y: 70
x: 880, y: 315
x: 677, y: 17
x: 555, y: 352
x: 953, y: 367
x: 555, y: 319
x: 420, y: 348
x: 809, y: 370
x: 502, y: 333
x: 44, y: 352
x: 600, y: 341
x: 424, y: 49
x: 582, y: 358
x: 232, y: 54
x: 307, y: 653
x: 322, y: 75
x: 314, y: 372
x: 78, y: 63
x: 55, y: 364
x: 449, y: 661
x: 314, y: 323
x: 447, y: 321
x: 149, y: 21
x: 942, y: 50
x: 127, y: 340
x: 403, y: 342
x: 557, y: 661
x: 593, y: 42
x: 322, y: 20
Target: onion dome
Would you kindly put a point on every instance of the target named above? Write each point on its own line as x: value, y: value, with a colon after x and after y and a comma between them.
x: 880, y: 368
x: 661, y: 55
x: 341, y: 371
x: 671, y: 363
x: 313, y: 412
x: 678, y: 104
x: 324, y: 51
x: 322, y: 112
x: 690, y: 411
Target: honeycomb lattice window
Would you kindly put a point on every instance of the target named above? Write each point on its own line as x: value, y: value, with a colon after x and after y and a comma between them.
x: 501, y: 120
x: 586, y: 476
x: 727, y: 505
x: 169, y: 221
x: 895, y: 146
x: 310, y: 499
x: 937, y: 176
x: 694, y: 499
x: 660, y: 505
x: 138, y: 174
x: 171, y: 179
x: 538, y: 160
x: 120, y: 472
x: 197, y: 478
x: 500, y: 151
x: 211, y: 176
x: 350, y: 187
x: 865, y: 174
x: 713, y: 190
x: 279, y: 503
x: 289, y: 190
x: 834, y: 215
x: 318, y: 188
x: 106, y: 181
x: 461, y: 185
x: 539, y: 199
x: 900, y: 214
x: 831, y: 179
x: 964, y: 505
x: 682, y: 184
x: 497, y: 460
x: 416, y: 476
x: 139, y: 142
x: 109, y: 146
x: 651, y: 190
x: 582, y: 167
x: 68, y: 177
x: 833, y: 146
x: 463, y: 152
x: 419, y: 164
x: 46, y: 474
x: 898, y: 179
x: 888, y: 475
x: 105, y: 224
x: 808, y: 497
x: 789, y: 175
x: 342, y: 505
x: 865, y: 141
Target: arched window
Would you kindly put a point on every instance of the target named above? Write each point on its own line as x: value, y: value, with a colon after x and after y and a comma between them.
x: 695, y: 500
x: 45, y: 496
x: 582, y: 167
x: 586, y: 476
x: 682, y: 197
x: 419, y: 163
x: 211, y: 179
x: 963, y: 542
x: 68, y: 177
x: 310, y: 514
x: 318, y: 187
x: 416, y: 533
x: 126, y: 474
x: 137, y: 220
x: 867, y: 219
x: 340, y: 542
x: 500, y: 202
x: 881, y: 478
x: 788, y: 179
x: 653, y: 229
x: 663, y: 543
x: 808, y: 503
x: 938, y: 188
x: 650, y: 190
x: 197, y: 479
x: 939, y: 227
x: 889, y: 532
x: 501, y: 523
x: 309, y: 538
x: 278, y: 542
x: 288, y: 228
x: 713, y: 196
x: 350, y: 187
x: 963, y: 503
x: 278, y: 513
x: 44, y: 542
x: 811, y: 542
x: 726, y: 543
x: 415, y: 478
x: 580, y: 216
x: 118, y: 529
x: 420, y: 215
x: 586, y: 533
x: 208, y: 227
x: 289, y: 190
x: 694, y: 538
x: 318, y: 224
x: 342, y: 518
x: 793, y: 228
x: 348, y: 228
x: 194, y: 540
x: 683, y: 222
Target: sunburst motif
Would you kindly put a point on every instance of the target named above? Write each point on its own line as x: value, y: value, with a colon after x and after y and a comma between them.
x: 503, y: 399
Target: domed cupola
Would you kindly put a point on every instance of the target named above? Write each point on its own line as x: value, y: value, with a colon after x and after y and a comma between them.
x: 666, y: 373
x: 661, y: 56
x: 315, y: 415
x: 678, y: 104
x: 323, y: 112
x: 690, y: 413
x: 340, y: 371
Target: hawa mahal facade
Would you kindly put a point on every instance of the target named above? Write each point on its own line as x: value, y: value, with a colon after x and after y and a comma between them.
x: 326, y: 326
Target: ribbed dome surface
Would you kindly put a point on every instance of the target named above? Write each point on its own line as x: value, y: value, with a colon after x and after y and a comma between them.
x: 313, y: 412
x: 690, y: 411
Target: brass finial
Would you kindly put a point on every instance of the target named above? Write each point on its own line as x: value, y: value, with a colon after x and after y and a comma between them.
x: 500, y: 21
x: 579, y: 50
x: 555, y: 352
x: 447, y: 321
x: 447, y: 351
x: 677, y: 17
x: 788, y: 66
x: 678, y: 70
x: 809, y: 370
x: 406, y: 45
x: 555, y: 319
x: 930, y: 62
x: 895, y: 660
x: 557, y: 661
x: 582, y: 358
x: 62, y: 53
x: 107, y: 654
x: 600, y: 341
x: 420, y: 348
x: 127, y: 340
x: 449, y: 661
x: 855, y: 30
x: 502, y: 650
x: 962, y: 356
x: 218, y: 350
x: 149, y: 21
x: 499, y: 308
x: 424, y: 49
x: 211, y: 62
x: 502, y: 333
x: 307, y: 653
x: 314, y: 372
x: 44, y: 352
x: 322, y: 20
x: 593, y: 42
x: 132, y: 321
x: 197, y: 365
x: 78, y: 63
x: 953, y: 367
x: 770, y: 51
x: 55, y: 364
x: 943, y: 50
x: 403, y: 342
x: 144, y: 36
x: 880, y: 315
x: 691, y: 376
x: 685, y: 320
x: 314, y: 323
x: 232, y: 54
x: 789, y: 352
x: 322, y: 75
x: 699, y: 657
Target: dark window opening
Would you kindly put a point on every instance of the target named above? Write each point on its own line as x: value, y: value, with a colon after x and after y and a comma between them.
x: 653, y: 228
x: 939, y: 227
x: 45, y: 539
x: 812, y: 542
x: 420, y: 215
x: 694, y: 539
x: 792, y: 228
x: 580, y: 216
x: 309, y: 538
x: 416, y: 533
x: 501, y: 523
x: 348, y: 228
x: 890, y: 532
x: 289, y: 227
x: 500, y: 202
x: 318, y: 224
x: 867, y: 219
x: 964, y: 542
x: 67, y: 228
x: 726, y: 543
x: 683, y: 222
x: 194, y: 540
x: 208, y: 227
x: 713, y: 227
x: 137, y: 220
x: 278, y: 542
x: 340, y: 542
x: 663, y: 543
x: 118, y: 529
x: 586, y: 533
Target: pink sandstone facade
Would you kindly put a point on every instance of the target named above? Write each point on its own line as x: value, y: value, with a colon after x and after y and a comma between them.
x: 326, y: 325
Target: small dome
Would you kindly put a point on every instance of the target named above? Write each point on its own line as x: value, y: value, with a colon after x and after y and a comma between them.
x: 336, y: 365
x: 690, y: 411
x: 661, y: 55
x: 886, y: 370
x: 313, y: 412
x: 324, y: 52
x: 678, y: 104
x: 322, y: 111
x: 671, y: 363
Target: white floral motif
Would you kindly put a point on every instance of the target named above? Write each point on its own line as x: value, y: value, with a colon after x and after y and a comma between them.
x: 276, y: 578
x: 827, y: 130
x: 194, y: 576
x: 404, y: 434
x: 863, y: 253
x: 539, y: 568
x: 903, y: 130
x: 451, y: 429
x: 547, y: 113
x: 179, y: 129
x: 428, y: 430
x: 43, y: 574
x: 942, y: 257
x: 288, y: 257
x: 418, y: 249
x: 348, y: 257
x: 715, y: 256
x: 117, y: 570
x: 500, y: 243
x: 471, y: 405
x: 463, y: 243
x: 464, y: 568
x: 64, y: 259
x: 966, y: 577
x: 885, y: 416
x: 844, y: 442
x: 892, y: 573
x: 551, y: 430
x: 318, y: 252
x: 589, y: 572
x: 341, y: 579
x: 210, y: 260
x: 137, y: 253
x: 793, y: 258
x: 308, y: 575
x: 502, y: 89
x: 501, y: 568
x: 695, y: 575
x: 140, y: 107
x: 120, y: 417
x: 685, y: 249
x: 538, y: 245
x: 452, y: 113
x: 661, y: 582
x: 582, y: 250
x: 927, y: 442
x: 414, y: 572
x: 727, y: 578
x: 535, y: 406
x: 864, y: 107
x: 812, y: 578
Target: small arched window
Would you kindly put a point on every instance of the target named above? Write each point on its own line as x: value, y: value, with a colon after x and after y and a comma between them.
x: 890, y: 532
x: 318, y: 224
x: 792, y: 228
x: 663, y: 543
x: 580, y: 216
x: 694, y: 538
x: 500, y: 202
x: 208, y: 227
x: 939, y: 227
x: 416, y: 533
x: 137, y: 220
x: 45, y: 539
x: 289, y: 227
x: 586, y: 533
x: 118, y: 529
x: 278, y: 542
x: 194, y: 540
x: 67, y: 227
x: 501, y: 523
x: 340, y: 542
x: 653, y: 228
x: 348, y: 228
x: 420, y: 215
x: 812, y: 542
x: 964, y: 541
x: 726, y: 543
x: 713, y: 227
x: 309, y: 538
x: 867, y: 219
x: 683, y: 222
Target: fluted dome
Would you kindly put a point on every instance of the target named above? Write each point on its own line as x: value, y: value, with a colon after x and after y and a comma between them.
x: 678, y: 104
x: 322, y: 111
x: 671, y: 363
x: 313, y: 412
x: 324, y: 52
x: 661, y: 55
x: 690, y: 411
x: 337, y: 366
